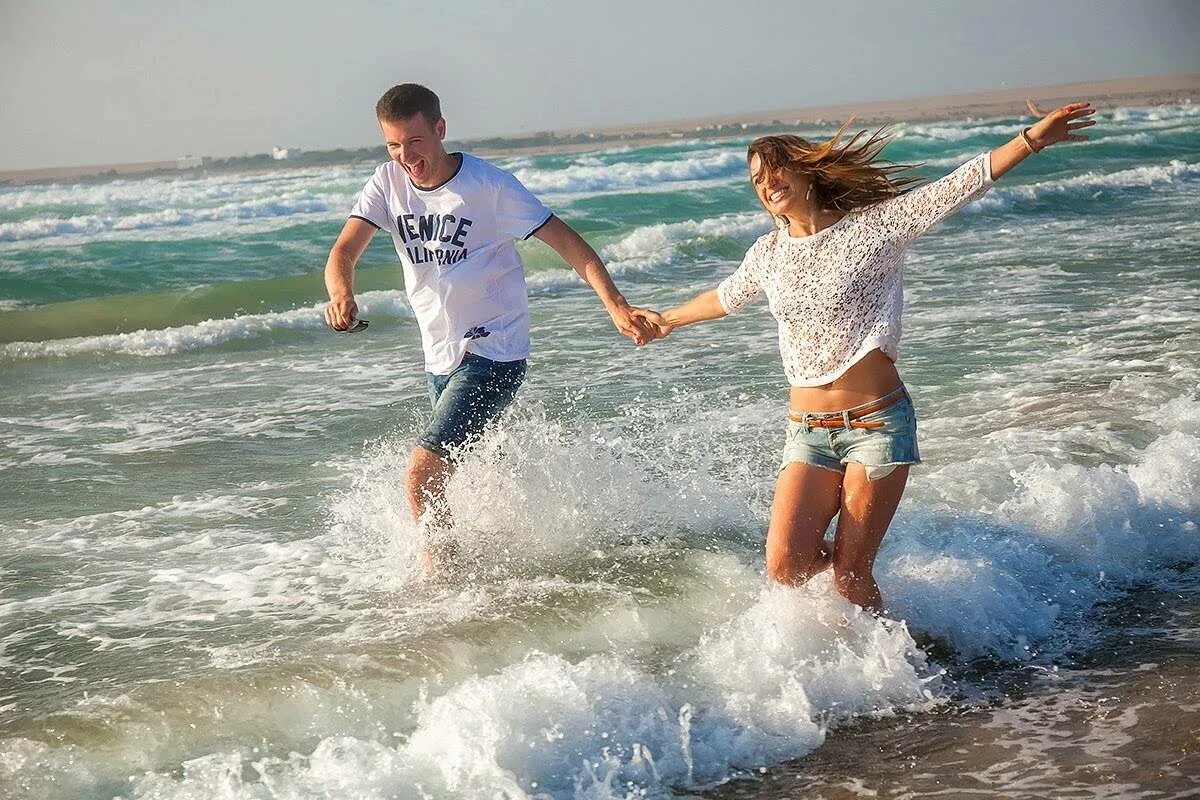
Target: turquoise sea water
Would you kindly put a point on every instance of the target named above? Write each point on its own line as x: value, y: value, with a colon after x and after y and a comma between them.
x: 208, y: 584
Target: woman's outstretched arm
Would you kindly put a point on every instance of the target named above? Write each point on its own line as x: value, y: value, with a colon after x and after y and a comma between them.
x: 733, y: 294
x: 706, y: 305
x: 915, y: 212
x: 1057, y: 126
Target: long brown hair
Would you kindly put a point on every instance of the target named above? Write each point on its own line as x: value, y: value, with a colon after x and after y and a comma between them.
x: 845, y: 177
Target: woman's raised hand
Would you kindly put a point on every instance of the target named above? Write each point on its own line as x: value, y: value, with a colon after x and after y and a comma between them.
x: 1060, y: 125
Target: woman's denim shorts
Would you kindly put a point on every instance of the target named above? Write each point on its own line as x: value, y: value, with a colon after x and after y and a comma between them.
x: 468, y: 399
x: 878, y: 449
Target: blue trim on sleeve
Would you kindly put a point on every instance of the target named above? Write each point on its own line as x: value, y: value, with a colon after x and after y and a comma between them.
x: 364, y: 219
x: 540, y: 225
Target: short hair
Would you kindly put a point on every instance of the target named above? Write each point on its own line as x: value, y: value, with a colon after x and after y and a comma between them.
x: 406, y: 101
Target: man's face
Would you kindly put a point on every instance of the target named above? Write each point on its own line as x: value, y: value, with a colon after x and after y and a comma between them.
x: 417, y: 146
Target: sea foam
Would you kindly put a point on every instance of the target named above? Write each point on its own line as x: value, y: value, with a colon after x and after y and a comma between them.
x: 594, y: 178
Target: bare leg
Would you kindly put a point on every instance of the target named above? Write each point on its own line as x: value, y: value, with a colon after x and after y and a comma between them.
x: 426, y: 486
x: 867, y: 510
x: 806, y: 498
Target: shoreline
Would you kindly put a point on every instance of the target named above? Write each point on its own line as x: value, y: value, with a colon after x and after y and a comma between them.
x: 1130, y: 92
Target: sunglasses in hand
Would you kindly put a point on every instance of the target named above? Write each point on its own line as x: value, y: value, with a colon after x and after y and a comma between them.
x: 356, y: 325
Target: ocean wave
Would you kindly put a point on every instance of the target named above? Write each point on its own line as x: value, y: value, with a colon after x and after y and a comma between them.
x: 1092, y: 184
x: 757, y: 691
x: 1141, y: 138
x: 152, y: 193
x: 1137, y: 126
x: 954, y: 132
x: 1169, y: 173
x: 203, y: 334
x: 630, y: 175
x: 657, y: 245
x: 1154, y: 114
x: 553, y: 728
x: 283, y: 205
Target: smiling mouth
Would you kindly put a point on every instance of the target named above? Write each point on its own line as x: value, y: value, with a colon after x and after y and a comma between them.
x: 776, y: 196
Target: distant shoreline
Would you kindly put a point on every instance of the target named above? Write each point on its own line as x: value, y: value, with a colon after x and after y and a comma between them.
x: 1138, y: 92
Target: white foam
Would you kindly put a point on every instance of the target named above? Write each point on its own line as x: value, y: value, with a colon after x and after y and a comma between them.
x: 953, y: 132
x: 756, y: 685
x: 1123, y: 138
x: 1093, y: 184
x: 1175, y: 171
x: 1151, y: 114
x: 752, y: 693
x: 158, y: 208
x: 158, y: 193
x: 298, y: 207
x: 658, y: 244
x: 629, y: 175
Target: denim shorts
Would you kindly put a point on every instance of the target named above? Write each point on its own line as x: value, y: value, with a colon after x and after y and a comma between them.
x: 891, y: 445
x: 467, y: 400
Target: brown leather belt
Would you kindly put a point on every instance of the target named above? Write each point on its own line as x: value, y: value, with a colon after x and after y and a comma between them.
x: 852, y: 417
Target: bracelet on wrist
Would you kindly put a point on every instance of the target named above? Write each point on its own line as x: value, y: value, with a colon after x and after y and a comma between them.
x: 1024, y: 134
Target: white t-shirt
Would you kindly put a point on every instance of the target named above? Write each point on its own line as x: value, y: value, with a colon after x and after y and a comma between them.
x: 838, y: 294
x: 463, y: 276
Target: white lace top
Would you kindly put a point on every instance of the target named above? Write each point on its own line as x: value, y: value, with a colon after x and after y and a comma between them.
x: 838, y: 293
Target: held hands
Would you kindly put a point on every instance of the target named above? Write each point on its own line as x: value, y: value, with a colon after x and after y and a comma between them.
x: 626, y: 319
x: 654, y: 321
x: 1060, y: 125
x: 640, y: 324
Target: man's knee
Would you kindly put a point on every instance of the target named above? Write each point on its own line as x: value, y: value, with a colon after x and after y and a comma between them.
x: 425, y: 466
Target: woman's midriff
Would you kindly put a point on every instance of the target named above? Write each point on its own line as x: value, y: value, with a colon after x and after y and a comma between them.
x: 874, y: 375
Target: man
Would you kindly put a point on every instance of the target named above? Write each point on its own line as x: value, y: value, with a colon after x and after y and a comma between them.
x: 453, y: 218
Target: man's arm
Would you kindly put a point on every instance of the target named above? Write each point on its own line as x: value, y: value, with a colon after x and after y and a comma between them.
x: 339, y: 272
x: 583, y: 259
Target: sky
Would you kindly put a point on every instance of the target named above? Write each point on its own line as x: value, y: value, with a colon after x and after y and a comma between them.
x: 102, y: 81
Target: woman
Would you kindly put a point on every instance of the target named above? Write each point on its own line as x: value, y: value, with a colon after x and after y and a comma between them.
x: 833, y: 274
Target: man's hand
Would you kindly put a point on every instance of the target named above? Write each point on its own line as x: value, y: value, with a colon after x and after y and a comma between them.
x: 341, y: 313
x: 583, y: 259
x: 658, y: 324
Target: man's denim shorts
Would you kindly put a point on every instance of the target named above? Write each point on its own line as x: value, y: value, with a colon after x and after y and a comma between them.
x: 467, y: 400
x: 878, y: 449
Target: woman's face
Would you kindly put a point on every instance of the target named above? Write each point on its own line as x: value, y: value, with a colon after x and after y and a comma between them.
x: 779, y: 190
